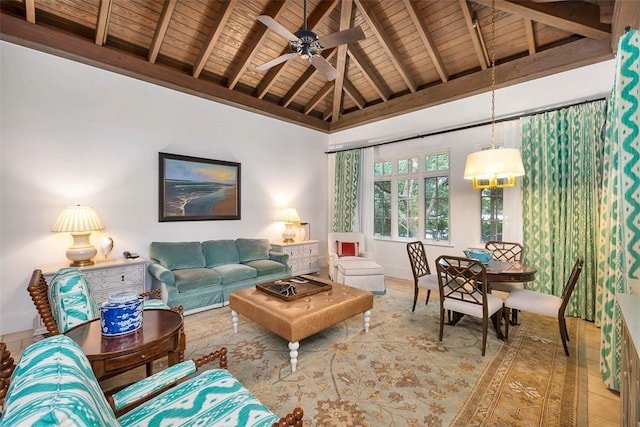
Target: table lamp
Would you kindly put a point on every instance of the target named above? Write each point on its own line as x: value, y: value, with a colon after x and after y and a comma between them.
x: 80, y: 221
x: 289, y: 216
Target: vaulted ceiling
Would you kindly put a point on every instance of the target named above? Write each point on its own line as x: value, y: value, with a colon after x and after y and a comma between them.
x: 415, y: 54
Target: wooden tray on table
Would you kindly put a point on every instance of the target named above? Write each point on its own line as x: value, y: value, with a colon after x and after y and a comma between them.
x: 282, y: 288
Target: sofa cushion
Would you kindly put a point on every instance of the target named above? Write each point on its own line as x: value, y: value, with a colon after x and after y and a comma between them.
x: 252, y: 249
x: 71, y: 300
x: 265, y: 267
x: 178, y: 255
x: 53, y: 385
x: 235, y: 272
x: 347, y: 248
x: 220, y: 252
x: 195, y: 278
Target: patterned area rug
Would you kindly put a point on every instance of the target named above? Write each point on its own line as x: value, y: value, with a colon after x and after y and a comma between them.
x: 398, y: 373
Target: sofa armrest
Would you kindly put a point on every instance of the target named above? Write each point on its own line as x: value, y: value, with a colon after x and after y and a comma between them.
x: 366, y: 254
x: 162, y: 273
x: 279, y: 257
x: 140, y: 390
x: 133, y: 395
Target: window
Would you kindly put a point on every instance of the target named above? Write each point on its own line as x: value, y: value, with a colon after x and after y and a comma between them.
x: 491, y: 214
x: 411, y: 197
x: 382, y: 199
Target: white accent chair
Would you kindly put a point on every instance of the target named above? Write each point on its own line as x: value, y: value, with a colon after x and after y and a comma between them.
x: 361, y: 271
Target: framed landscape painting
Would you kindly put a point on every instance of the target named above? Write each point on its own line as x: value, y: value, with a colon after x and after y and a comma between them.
x: 196, y: 189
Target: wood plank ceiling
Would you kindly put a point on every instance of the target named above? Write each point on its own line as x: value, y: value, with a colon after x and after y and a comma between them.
x: 416, y: 53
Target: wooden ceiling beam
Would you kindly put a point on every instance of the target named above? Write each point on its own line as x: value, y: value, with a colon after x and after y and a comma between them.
x: 322, y: 93
x: 354, y: 94
x: 531, y: 38
x: 302, y: 81
x: 103, y: 22
x: 30, y: 10
x: 473, y: 33
x: 274, y: 9
x: 368, y: 72
x: 574, y: 17
x: 161, y: 29
x: 65, y: 45
x: 562, y: 58
x: 319, y: 14
x: 427, y: 40
x: 214, y: 35
x: 341, y: 62
x: 385, y: 42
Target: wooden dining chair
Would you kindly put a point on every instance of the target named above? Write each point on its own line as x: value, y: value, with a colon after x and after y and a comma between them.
x: 547, y: 304
x: 463, y: 290
x: 422, y: 278
x: 508, y: 252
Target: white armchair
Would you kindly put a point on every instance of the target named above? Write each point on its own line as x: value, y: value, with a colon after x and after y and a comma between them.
x: 351, y: 237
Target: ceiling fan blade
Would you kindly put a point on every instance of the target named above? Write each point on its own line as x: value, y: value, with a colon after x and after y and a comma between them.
x: 274, y: 26
x: 351, y: 35
x: 276, y: 61
x: 324, y: 67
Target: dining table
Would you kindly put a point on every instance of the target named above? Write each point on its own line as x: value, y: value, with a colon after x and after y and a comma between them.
x: 505, y: 271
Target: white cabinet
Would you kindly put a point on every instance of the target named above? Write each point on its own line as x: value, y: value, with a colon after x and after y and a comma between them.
x: 303, y: 256
x: 630, y: 369
x: 105, y: 278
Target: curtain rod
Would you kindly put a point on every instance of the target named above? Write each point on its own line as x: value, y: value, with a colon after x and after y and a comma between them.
x: 439, y: 132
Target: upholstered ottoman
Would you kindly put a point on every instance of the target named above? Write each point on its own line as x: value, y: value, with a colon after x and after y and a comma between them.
x: 364, y: 274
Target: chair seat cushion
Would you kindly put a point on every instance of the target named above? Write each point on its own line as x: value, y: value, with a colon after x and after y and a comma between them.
x: 214, y: 397
x: 493, y: 304
x: 359, y: 267
x: 428, y: 282
x: 534, y: 302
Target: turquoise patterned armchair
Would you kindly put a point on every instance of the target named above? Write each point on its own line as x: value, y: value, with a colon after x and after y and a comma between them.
x: 53, y: 385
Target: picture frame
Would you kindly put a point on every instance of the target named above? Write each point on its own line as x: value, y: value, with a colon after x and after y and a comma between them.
x: 198, y: 189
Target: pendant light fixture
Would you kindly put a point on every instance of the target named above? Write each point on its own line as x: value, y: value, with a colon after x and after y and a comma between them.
x: 496, y: 167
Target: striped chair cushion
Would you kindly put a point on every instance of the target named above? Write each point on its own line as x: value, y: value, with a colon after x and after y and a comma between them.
x: 53, y: 385
x: 214, y: 397
x: 70, y: 298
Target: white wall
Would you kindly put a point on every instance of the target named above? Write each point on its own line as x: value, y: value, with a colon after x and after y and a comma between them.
x: 585, y: 83
x: 74, y: 134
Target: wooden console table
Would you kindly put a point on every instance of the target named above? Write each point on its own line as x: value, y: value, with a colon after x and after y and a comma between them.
x: 109, y: 356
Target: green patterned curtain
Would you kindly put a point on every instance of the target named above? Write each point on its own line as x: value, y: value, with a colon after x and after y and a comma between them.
x: 619, y: 242
x: 346, y: 190
x: 561, y: 151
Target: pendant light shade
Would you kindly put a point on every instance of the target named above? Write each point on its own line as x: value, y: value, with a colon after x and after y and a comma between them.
x: 494, y: 168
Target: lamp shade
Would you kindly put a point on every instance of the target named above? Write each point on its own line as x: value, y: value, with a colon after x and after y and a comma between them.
x: 77, y: 219
x: 494, y: 163
x: 289, y: 215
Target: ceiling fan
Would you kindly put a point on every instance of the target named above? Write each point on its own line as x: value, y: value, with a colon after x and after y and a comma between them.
x: 308, y: 45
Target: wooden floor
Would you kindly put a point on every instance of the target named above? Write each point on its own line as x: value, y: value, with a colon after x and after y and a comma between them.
x: 604, y: 405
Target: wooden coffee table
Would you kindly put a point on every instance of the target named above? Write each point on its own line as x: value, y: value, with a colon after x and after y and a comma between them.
x: 110, y: 356
x: 300, y: 318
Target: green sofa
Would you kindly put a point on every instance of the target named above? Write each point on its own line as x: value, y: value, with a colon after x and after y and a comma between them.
x: 200, y: 275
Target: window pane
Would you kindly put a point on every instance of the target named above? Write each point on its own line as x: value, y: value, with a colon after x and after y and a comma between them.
x: 407, y: 207
x: 382, y: 208
x: 382, y: 169
x: 491, y: 215
x: 436, y: 208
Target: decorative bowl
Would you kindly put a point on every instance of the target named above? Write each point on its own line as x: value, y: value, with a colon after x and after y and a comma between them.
x: 481, y: 255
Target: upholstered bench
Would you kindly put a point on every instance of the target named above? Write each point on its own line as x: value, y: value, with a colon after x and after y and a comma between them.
x: 364, y: 274
x: 53, y: 385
